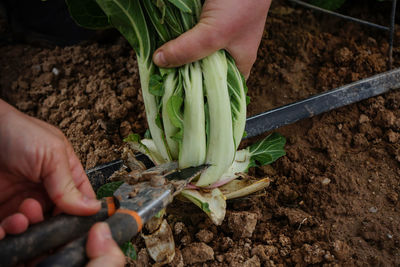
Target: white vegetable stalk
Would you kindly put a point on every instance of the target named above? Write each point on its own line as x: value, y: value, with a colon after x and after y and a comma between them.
x: 151, y: 111
x: 237, y: 90
x: 170, y: 83
x: 221, y: 147
x: 193, y: 149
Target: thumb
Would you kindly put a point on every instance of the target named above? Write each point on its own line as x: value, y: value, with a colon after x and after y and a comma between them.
x: 197, y: 43
x: 101, y: 249
x: 61, y: 188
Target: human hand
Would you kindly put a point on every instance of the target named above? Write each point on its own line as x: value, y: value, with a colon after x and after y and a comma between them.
x: 102, y: 249
x: 38, y: 167
x: 235, y: 25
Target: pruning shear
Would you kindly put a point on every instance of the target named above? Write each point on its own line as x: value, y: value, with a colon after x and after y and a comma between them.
x: 125, y: 212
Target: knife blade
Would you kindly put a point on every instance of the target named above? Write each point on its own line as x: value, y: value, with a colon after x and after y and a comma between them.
x: 320, y: 103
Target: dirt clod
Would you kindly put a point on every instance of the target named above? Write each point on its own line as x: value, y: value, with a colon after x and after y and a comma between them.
x: 205, y: 236
x: 197, y: 253
x: 242, y: 224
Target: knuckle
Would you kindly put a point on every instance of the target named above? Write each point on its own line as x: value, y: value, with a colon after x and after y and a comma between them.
x: 56, y: 147
x: 174, y: 55
x: 213, y: 38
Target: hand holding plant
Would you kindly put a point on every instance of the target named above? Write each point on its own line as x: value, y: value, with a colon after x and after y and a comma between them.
x: 234, y: 25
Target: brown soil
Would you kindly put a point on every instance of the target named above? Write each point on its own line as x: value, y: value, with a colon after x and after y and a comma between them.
x: 334, y: 200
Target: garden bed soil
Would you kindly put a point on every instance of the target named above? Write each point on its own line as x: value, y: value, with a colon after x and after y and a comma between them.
x: 334, y: 199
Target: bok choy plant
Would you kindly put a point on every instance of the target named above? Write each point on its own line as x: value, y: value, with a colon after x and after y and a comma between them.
x: 196, y: 113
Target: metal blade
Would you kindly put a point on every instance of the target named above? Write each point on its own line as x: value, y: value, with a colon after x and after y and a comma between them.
x: 186, y: 174
x: 148, y: 200
x: 177, y: 178
x: 342, y: 96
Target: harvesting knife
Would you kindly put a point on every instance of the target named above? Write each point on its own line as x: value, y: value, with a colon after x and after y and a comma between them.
x: 125, y: 212
x: 320, y: 103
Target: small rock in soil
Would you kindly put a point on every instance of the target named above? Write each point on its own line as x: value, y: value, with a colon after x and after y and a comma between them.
x: 252, y: 262
x: 296, y: 217
x: 179, y: 228
x: 313, y: 254
x: 284, y: 241
x: 259, y: 250
x: 340, y: 249
x: 242, y: 224
x: 343, y: 56
x: 393, y: 137
x: 385, y: 118
x: 125, y: 128
x: 185, y: 240
x: 373, y: 210
x: 205, y: 236
x: 325, y: 181
x: 197, y: 253
x: 363, y: 118
x: 225, y: 243
x: 219, y: 258
x: 178, y: 259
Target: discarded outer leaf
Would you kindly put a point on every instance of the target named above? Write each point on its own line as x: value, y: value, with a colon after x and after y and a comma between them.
x: 160, y: 244
x: 244, y: 187
x: 154, y: 223
x: 131, y: 161
x: 213, y: 203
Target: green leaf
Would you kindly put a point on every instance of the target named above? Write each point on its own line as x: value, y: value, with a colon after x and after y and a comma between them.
x: 108, y: 190
x: 88, y: 14
x: 128, y: 17
x: 159, y: 122
x: 175, y: 115
x: 174, y: 109
x: 328, y: 4
x: 205, y: 207
x: 156, y: 85
x: 160, y: 214
x: 267, y: 150
x: 183, y: 5
x: 129, y: 250
x: 147, y: 134
x: 132, y: 138
x: 172, y: 19
x: 157, y: 19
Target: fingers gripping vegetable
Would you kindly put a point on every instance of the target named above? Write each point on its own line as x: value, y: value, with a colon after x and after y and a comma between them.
x: 196, y: 113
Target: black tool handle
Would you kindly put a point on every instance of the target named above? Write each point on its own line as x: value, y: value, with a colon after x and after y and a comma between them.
x: 124, y: 226
x: 45, y: 236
